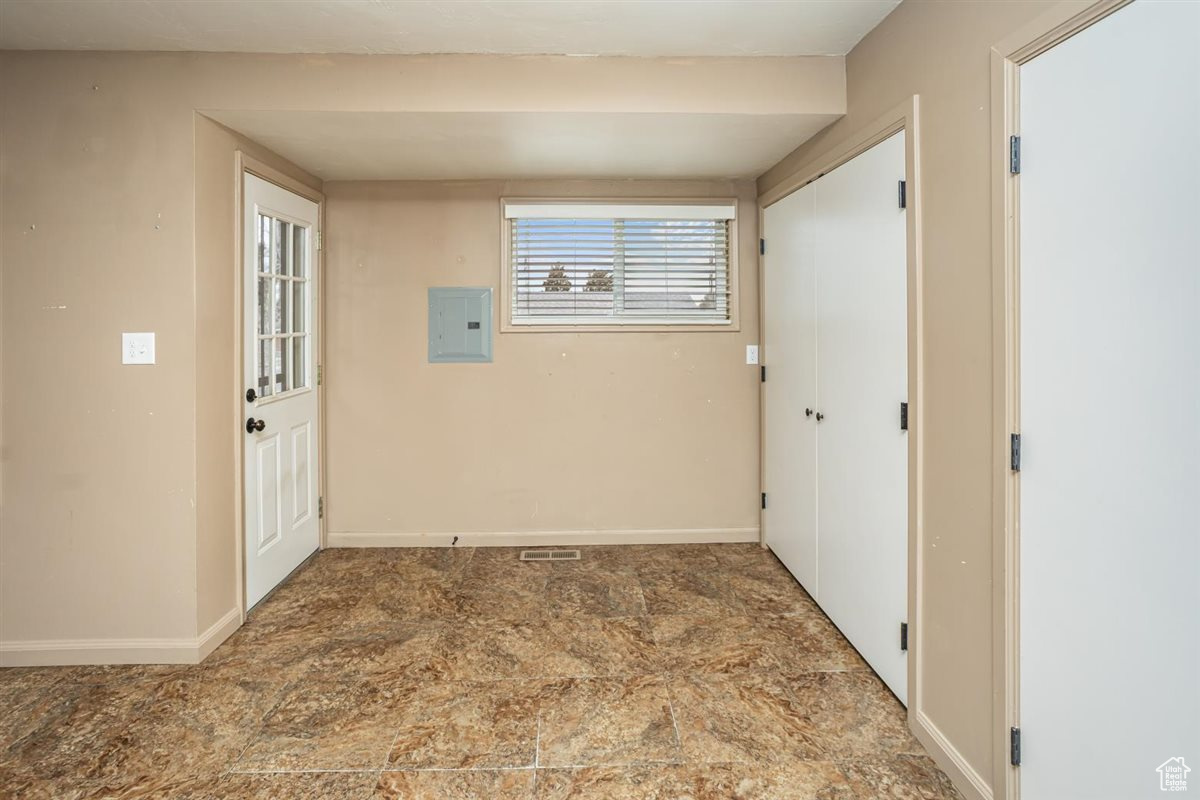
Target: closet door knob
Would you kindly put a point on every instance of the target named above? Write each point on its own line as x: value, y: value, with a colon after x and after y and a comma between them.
x: 808, y: 412
x: 820, y: 416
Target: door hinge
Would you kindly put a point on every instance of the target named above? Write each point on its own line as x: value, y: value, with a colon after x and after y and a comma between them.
x: 1014, y: 452
x: 1014, y: 155
x: 319, y: 238
x: 762, y: 247
x: 320, y: 377
x: 904, y: 416
x: 903, y: 194
x: 1014, y: 746
x: 320, y: 508
x: 904, y: 636
x: 764, y: 499
x: 762, y: 373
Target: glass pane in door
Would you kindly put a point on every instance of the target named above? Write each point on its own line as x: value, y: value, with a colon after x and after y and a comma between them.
x: 279, y: 380
x: 299, y: 307
x: 298, y: 251
x: 299, y: 373
x: 282, y: 312
x: 276, y: 236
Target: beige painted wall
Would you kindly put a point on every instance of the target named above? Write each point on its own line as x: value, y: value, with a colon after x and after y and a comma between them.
x: 614, y: 432
x: 113, y: 479
x: 117, y: 216
x: 940, y: 51
x: 98, y: 534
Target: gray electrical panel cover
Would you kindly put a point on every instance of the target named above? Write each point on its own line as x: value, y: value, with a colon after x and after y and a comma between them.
x: 460, y: 325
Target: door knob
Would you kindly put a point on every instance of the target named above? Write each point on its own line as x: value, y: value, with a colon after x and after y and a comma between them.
x: 251, y: 396
x: 808, y: 412
x: 820, y: 416
x: 253, y: 425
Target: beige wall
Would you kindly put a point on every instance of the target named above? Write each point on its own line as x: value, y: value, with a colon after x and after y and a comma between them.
x: 98, y: 531
x: 116, y: 214
x: 113, y: 218
x: 616, y: 432
x: 940, y: 51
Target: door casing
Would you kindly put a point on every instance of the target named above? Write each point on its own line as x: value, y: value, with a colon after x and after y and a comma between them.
x: 246, y: 164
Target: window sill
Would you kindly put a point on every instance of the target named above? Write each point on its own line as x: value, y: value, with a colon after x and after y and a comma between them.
x: 622, y: 327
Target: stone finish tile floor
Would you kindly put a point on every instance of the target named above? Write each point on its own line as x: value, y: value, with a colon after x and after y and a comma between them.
x: 686, y: 672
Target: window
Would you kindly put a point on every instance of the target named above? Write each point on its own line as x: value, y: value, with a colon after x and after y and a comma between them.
x: 619, y: 264
x: 282, y: 307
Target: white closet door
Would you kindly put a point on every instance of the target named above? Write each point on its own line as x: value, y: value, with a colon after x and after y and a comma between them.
x: 1110, y: 408
x: 862, y: 374
x: 789, y: 352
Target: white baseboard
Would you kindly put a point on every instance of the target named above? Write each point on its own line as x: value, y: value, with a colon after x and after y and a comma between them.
x: 533, y: 538
x: 65, y: 652
x: 217, y: 633
x: 964, y: 777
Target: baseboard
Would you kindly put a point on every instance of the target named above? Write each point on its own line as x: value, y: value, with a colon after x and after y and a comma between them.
x: 965, y: 778
x: 218, y: 632
x: 532, y: 538
x: 65, y: 652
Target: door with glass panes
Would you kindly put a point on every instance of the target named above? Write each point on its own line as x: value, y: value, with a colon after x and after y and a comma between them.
x: 279, y: 254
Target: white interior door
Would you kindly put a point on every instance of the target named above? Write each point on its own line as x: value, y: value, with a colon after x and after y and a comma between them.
x: 281, y: 520
x: 862, y: 378
x: 1110, y: 407
x: 790, y: 353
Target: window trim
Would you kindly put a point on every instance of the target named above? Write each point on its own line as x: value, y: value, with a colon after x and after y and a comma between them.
x: 618, y: 325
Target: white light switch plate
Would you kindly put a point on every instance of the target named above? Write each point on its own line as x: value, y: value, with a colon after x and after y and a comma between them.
x: 751, y: 354
x: 137, y: 348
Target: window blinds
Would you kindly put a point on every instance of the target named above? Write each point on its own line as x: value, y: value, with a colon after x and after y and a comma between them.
x: 619, y: 264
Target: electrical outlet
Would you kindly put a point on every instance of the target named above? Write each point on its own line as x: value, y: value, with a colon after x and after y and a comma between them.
x: 137, y: 348
x: 751, y: 354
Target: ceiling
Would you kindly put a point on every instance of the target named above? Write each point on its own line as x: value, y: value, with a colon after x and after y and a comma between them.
x: 337, y: 145
x: 576, y: 27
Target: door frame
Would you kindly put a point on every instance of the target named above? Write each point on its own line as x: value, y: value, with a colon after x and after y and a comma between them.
x: 1055, y: 26
x: 246, y: 164
x: 903, y: 117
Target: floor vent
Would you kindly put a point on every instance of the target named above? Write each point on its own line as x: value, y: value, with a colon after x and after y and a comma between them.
x: 549, y: 555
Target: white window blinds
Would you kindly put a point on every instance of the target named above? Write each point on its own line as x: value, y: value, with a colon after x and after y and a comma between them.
x: 619, y: 264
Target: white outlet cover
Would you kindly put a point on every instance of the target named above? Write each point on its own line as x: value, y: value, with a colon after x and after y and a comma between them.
x: 137, y: 348
x: 751, y: 354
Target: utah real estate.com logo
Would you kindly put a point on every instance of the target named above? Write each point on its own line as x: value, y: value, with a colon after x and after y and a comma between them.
x: 1172, y: 775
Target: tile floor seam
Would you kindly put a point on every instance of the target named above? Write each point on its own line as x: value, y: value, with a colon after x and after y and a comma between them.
x: 649, y: 762
x: 387, y: 756
x: 315, y: 771
x: 249, y: 742
x: 537, y: 741
x: 456, y: 769
x: 674, y: 719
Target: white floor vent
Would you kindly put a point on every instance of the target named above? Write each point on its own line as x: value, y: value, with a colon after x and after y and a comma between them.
x: 549, y: 555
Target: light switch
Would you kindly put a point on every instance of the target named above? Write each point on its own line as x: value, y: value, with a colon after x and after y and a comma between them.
x: 137, y: 348
x: 751, y: 354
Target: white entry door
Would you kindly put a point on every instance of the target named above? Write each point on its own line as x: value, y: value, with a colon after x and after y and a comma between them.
x: 1109, y: 479
x: 281, y: 519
